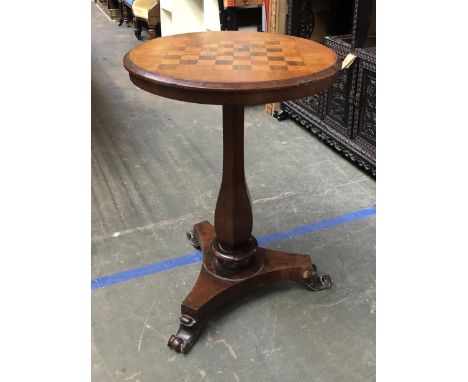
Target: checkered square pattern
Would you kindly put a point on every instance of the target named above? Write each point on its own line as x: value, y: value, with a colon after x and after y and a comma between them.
x: 237, y: 55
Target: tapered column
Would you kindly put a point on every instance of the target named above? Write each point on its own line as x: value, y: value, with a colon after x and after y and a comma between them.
x: 233, y: 214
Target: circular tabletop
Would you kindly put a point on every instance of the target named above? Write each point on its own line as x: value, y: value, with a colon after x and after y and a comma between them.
x: 231, y: 67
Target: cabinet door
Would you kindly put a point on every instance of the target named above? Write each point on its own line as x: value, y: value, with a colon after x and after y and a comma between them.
x: 364, y: 130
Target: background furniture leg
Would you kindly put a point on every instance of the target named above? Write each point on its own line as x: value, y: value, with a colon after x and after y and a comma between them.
x: 152, y: 31
x: 137, y: 28
x: 125, y: 15
x: 121, y: 9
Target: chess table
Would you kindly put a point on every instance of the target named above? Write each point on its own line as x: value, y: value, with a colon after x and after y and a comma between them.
x: 233, y: 69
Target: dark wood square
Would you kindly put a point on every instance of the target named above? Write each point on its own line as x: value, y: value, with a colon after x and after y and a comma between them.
x: 223, y: 62
x: 278, y: 67
x: 241, y: 67
x: 275, y: 58
x: 167, y: 66
x: 295, y: 63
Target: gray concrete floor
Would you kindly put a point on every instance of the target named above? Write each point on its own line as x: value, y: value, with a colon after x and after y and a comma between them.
x: 156, y: 166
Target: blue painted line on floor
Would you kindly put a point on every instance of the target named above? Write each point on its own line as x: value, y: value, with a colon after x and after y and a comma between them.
x: 195, y: 257
x: 145, y: 270
x: 308, y: 228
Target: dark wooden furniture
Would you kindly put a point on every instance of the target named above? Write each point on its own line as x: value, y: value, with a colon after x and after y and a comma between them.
x: 236, y: 13
x: 111, y: 4
x: 110, y: 7
x: 344, y: 116
x: 233, y: 69
x: 147, y: 11
x: 125, y: 8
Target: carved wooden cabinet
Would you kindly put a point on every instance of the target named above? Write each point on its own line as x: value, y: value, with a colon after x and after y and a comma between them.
x: 344, y: 115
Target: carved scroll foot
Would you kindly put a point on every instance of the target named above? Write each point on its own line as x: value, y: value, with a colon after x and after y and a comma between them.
x: 316, y: 281
x: 186, y: 336
x: 193, y: 240
x: 217, y: 286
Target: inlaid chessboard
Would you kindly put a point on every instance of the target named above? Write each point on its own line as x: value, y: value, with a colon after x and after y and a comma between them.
x: 235, y: 55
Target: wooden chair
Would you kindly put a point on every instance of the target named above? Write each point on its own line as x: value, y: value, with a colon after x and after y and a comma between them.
x: 148, y: 11
x: 125, y: 6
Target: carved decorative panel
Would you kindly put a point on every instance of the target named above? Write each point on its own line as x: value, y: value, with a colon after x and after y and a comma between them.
x: 344, y: 116
x: 366, y: 122
x: 365, y: 115
x: 301, y: 19
x: 339, y: 110
x: 314, y: 103
x: 307, y: 22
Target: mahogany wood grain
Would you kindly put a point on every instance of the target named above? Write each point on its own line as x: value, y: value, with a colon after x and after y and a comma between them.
x: 233, y: 69
x: 233, y: 214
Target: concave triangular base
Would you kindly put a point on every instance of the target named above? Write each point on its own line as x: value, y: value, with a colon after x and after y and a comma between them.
x: 213, y: 289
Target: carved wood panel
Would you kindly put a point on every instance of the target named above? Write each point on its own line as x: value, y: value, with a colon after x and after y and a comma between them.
x: 366, y: 116
x: 344, y: 116
x: 339, y: 109
x: 314, y: 103
x: 300, y: 18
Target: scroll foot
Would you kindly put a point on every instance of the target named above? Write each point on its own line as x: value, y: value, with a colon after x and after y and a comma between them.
x: 188, y: 332
x: 317, y: 282
x: 193, y: 240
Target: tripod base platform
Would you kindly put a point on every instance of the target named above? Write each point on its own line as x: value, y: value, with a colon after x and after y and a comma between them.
x: 216, y: 286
